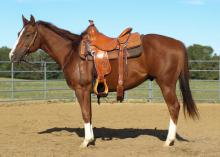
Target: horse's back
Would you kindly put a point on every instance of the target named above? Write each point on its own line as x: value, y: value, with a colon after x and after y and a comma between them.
x: 162, y: 43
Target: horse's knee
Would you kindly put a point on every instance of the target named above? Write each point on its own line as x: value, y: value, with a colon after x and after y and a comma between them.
x: 86, y: 117
x: 176, y: 107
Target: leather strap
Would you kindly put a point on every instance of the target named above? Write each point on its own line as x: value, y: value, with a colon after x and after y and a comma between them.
x: 120, y: 86
x: 32, y: 41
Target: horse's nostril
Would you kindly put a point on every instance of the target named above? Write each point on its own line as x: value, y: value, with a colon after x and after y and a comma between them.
x: 13, y: 57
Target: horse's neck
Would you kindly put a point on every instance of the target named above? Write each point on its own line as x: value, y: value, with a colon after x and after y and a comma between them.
x: 56, y: 46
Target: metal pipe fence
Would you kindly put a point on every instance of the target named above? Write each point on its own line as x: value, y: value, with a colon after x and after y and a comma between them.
x: 47, y: 88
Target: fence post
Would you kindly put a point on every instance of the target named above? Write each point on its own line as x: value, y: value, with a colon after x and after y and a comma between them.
x: 150, y: 91
x: 126, y: 95
x: 45, y: 79
x: 12, y: 81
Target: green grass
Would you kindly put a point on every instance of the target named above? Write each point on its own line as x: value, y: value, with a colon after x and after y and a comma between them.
x: 209, y: 91
x: 23, y: 89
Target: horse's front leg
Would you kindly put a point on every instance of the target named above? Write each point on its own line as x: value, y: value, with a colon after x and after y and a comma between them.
x: 84, y: 98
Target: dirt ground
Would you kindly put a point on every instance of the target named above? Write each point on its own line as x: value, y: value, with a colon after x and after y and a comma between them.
x: 125, y: 130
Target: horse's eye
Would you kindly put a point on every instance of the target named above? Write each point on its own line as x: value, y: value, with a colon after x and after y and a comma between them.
x: 28, y: 35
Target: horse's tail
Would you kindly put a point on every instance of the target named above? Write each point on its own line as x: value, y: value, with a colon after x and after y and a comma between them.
x: 188, y: 102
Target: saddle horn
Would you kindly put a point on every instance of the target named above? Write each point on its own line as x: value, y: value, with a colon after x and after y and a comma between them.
x: 91, y: 22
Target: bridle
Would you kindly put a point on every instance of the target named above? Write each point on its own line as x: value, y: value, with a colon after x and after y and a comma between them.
x: 32, y: 42
x: 27, y: 50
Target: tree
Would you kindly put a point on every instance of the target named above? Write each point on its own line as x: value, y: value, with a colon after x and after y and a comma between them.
x: 204, y: 53
x: 4, y: 51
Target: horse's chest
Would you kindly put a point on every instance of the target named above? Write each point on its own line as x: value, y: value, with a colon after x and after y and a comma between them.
x: 79, y: 74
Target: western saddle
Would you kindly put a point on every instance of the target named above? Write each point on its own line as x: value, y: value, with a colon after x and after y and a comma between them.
x: 99, y: 45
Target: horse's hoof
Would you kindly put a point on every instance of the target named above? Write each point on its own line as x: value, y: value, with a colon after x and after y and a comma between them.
x: 86, y: 143
x: 169, y: 143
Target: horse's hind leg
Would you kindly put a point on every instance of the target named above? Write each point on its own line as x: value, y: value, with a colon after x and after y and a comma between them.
x: 169, y: 94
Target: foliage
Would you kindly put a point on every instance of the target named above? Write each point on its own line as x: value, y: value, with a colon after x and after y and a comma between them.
x: 209, y: 69
x: 4, y: 51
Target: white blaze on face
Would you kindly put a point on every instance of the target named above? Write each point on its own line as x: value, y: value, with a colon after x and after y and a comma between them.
x: 16, y: 43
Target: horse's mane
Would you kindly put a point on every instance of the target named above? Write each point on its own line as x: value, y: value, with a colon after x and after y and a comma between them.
x: 84, y: 32
x: 64, y: 33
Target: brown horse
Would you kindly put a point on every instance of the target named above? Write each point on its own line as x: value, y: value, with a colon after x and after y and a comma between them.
x: 163, y: 59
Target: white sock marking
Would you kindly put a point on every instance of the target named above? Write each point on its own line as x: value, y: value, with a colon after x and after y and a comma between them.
x: 172, y: 131
x: 88, y: 131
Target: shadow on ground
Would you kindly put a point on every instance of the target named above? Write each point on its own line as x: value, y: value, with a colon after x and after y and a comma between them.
x: 109, y: 133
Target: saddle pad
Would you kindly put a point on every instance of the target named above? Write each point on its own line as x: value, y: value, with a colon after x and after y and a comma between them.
x: 134, y: 40
x: 131, y: 53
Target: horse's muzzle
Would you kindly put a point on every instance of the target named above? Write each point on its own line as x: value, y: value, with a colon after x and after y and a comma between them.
x: 15, y: 57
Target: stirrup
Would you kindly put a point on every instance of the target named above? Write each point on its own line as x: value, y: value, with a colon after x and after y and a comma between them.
x: 95, y: 88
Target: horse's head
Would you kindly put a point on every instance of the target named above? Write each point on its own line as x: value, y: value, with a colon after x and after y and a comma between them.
x: 28, y: 40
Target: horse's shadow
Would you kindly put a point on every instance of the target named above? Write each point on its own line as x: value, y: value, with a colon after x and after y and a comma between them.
x: 109, y: 133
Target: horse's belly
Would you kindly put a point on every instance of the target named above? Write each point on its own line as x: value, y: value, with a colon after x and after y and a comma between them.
x: 135, y: 74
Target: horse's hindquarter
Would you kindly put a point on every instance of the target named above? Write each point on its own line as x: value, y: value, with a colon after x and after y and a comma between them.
x: 164, y: 56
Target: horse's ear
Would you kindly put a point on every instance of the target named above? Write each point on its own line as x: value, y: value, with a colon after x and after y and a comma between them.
x: 25, y: 21
x: 32, y: 20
